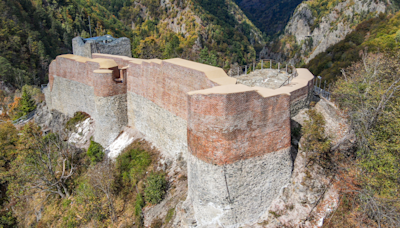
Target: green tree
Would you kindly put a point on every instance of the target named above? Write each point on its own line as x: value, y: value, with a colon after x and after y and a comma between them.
x: 45, y: 164
x: 27, y: 105
x: 95, y: 152
x: 369, y: 93
x: 207, y: 57
x: 156, y: 185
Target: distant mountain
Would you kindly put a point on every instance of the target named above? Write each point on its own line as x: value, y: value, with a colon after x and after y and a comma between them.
x: 318, y: 24
x: 270, y: 16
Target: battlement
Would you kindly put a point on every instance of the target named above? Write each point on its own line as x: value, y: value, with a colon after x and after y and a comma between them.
x: 236, y: 139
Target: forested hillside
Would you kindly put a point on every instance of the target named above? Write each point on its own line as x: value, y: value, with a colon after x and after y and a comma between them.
x: 318, y: 24
x: 217, y: 30
x: 33, y: 32
x: 381, y: 34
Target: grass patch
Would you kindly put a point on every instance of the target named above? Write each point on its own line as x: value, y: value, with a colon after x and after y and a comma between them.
x: 169, y: 216
x: 78, y: 118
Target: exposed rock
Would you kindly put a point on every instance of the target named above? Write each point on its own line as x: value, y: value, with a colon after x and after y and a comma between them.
x: 267, y: 78
x: 82, y: 134
x: 310, y: 197
x: 316, y: 35
x: 50, y: 120
x: 124, y: 140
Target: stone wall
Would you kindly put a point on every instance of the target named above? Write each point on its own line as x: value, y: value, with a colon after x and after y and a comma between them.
x: 164, y: 129
x: 121, y: 46
x: 238, y: 193
x: 80, y: 48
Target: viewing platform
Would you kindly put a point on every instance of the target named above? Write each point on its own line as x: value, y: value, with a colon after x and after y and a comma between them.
x: 268, y: 78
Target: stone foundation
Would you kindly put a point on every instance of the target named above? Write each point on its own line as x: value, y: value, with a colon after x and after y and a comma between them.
x: 239, y: 193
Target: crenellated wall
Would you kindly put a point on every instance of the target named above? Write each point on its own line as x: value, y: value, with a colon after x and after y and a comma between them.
x: 236, y: 139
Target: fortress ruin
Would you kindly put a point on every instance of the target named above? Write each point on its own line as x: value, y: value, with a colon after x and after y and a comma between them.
x: 101, y: 44
x: 235, y: 139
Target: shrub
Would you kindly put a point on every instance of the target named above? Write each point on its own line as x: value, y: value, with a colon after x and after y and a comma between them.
x: 27, y: 104
x: 157, y: 223
x: 132, y: 166
x: 316, y: 144
x: 139, y: 204
x: 95, y: 152
x: 155, y: 187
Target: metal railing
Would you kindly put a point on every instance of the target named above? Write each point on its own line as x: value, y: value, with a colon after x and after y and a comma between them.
x: 260, y: 65
x: 322, y: 93
x: 325, y: 92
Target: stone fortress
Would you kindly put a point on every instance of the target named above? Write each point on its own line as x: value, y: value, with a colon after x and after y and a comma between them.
x: 235, y: 139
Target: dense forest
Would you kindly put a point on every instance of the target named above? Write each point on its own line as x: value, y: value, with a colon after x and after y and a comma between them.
x: 35, y: 32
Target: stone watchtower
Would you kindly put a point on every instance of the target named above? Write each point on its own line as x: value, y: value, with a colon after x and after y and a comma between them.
x: 101, y: 44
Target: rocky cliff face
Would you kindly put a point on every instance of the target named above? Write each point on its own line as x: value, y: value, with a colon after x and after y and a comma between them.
x: 316, y: 25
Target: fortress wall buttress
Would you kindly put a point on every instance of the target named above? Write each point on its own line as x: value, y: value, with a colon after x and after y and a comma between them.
x: 239, y: 153
x: 77, y: 84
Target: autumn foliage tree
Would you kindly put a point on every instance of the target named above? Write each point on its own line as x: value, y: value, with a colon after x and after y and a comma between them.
x: 369, y: 93
x: 44, y: 164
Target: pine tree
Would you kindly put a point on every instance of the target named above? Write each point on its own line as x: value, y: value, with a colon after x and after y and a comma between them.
x: 28, y: 104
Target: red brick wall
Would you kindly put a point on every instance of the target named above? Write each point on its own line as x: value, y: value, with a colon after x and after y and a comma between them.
x: 225, y: 128
x: 165, y: 84
x: 52, y: 72
x: 104, y: 84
